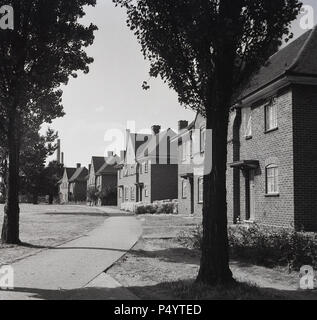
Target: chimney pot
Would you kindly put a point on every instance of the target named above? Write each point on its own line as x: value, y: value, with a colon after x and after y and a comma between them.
x: 78, y: 165
x: 156, y: 129
x: 182, y: 124
x: 110, y: 154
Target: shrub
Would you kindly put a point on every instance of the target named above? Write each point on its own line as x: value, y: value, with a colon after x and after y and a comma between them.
x: 159, y: 207
x: 270, y: 247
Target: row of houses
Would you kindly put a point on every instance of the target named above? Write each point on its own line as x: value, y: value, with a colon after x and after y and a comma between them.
x: 272, y: 151
x: 96, y: 184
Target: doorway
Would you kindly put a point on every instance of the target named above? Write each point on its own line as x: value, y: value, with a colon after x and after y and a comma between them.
x: 249, y: 195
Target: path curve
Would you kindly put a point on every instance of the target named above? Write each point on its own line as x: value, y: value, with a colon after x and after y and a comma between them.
x: 73, y: 265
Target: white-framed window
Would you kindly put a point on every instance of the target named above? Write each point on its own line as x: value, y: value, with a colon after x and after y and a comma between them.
x: 272, y: 181
x: 202, y: 139
x: 132, y: 190
x: 120, y: 193
x: 126, y: 192
x: 140, y: 168
x: 201, y: 190
x: 247, y: 122
x: 184, y: 189
x: 271, y: 116
x: 146, y: 166
x: 146, y: 191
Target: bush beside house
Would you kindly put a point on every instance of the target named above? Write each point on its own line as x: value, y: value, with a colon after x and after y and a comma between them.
x: 266, y: 246
x: 157, y: 207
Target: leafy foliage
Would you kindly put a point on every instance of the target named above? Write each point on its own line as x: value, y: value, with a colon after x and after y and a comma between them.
x: 185, y: 40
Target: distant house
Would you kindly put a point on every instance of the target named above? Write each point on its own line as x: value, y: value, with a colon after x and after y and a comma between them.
x: 78, y: 185
x: 191, y: 154
x: 64, y: 195
x: 102, y: 179
x: 148, y: 171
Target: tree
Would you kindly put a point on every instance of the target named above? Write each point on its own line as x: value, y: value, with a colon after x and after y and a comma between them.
x: 206, y: 50
x: 45, y: 48
x: 52, y: 174
x: 35, y: 148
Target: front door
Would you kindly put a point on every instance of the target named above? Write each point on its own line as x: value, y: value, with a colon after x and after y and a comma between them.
x: 250, y: 208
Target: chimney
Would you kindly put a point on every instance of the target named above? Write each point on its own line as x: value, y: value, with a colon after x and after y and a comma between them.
x: 122, y: 155
x: 89, y: 168
x: 78, y: 165
x: 62, y: 158
x: 110, y: 154
x: 182, y: 124
x: 156, y: 129
x: 58, y: 158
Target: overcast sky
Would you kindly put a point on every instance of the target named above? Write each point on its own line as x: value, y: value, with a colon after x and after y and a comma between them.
x: 100, y: 104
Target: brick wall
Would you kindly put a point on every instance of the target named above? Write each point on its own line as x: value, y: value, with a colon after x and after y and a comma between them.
x: 268, y: 148
x: 305, y: 156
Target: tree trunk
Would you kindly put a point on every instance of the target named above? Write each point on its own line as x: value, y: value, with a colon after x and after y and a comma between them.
x: 50, y: 199
x: 214, y: 266
x: 10, y: 228
x: 35, y: 198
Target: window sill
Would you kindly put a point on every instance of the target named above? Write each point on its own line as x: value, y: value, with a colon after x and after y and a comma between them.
x: 249, y: 221
x: 272, y: 195
x: 270, y: 130
x: 248, y: 137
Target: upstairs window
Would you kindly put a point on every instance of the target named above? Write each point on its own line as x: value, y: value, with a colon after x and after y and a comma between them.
x: 184, y: 189
x: 201, y: 190
x: 272, y: 183
x: 202, y: 139
x: 247, y: 122
x: 132, y: 193
x: 271, y: 116
x: 146, y: 167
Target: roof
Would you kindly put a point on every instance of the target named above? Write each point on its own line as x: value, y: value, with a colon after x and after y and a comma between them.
x: 109, y: 167
x: 70, y: 172
x: 98, y: 162
x: 299, y: 57
x: 150, y: 147
x: 79, y: 175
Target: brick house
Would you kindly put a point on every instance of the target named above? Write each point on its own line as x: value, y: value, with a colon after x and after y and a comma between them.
x: 64, y: 185
x: 106, y: 180
x: 103, y: 174
x: 191, y: 154
x: 148, y: 171
x: 78, y: 185
x: 272, y: 143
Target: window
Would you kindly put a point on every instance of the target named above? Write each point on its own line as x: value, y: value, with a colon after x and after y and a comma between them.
x: 247, y: 122
x: 126, y: 191
x: 184, y: 189
x: 132, y: 190
x: 202, y: 139
x: 120, y: 193
x: 146, y: 192
x: 201, y: 190
x: 146, y: 167
x: 184, y: 151
x: 140, y: 168
x: 271, y: 116
x: 272, y: 187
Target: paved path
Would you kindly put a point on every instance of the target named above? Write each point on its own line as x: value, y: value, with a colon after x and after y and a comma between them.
x: 75, y: 269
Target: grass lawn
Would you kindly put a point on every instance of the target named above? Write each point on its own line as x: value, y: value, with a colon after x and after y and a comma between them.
x: 45, y: 226
x: 160, y: 267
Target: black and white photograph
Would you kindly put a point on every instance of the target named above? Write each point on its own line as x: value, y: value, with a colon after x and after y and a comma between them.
x: 158, y: 154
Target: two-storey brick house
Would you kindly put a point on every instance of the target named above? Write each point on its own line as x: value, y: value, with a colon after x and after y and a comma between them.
x: 64, y: 195
x: 148, y: 171
x: 272, y: 143
x: 78, y: 185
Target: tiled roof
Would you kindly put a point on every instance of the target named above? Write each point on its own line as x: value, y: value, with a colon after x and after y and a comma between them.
x: 70, y: 172
x: 299, y: 57
x: 151, y: 145
x: 109, y: 166
x: 79, y: 175
x: 98, y: 162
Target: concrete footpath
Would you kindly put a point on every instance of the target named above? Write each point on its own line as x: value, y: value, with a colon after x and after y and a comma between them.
x: 75, y: 269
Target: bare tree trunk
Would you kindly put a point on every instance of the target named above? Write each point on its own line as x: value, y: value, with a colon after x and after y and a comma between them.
x: 10, y: 228
x: 214, y: 266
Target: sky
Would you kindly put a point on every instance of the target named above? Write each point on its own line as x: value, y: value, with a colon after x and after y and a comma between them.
x: 101, y: 105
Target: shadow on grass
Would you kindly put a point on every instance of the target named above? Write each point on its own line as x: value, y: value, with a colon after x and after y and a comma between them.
x: 179, y: 290
x: 88, y: 214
